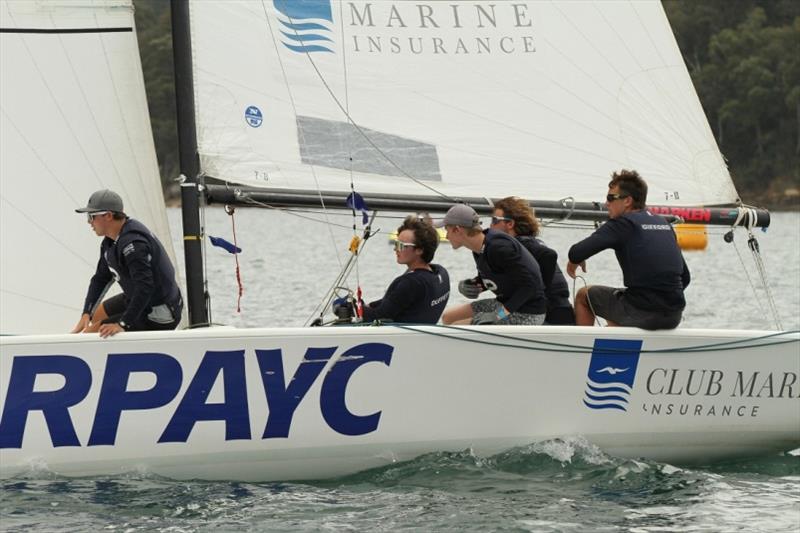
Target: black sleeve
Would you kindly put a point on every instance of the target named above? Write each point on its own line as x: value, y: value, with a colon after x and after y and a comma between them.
x: 401, y: 294
x: 505, y: 257
x: 609, y: 235
x: 686, y: 277
x: 547, y: 259
x: 137, y: 257
x: 102, y: 277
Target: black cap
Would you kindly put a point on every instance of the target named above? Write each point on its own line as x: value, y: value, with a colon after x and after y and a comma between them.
x: 104, y: 200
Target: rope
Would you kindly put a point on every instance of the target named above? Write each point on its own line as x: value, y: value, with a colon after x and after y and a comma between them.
x: 762, y: 312
x: 747, y: 217
x: 344, y: 273
x: 752, y: 243
x: 231, y: 210
x: 588, y: 300
x: 556, y: 347
x: 293, y: 212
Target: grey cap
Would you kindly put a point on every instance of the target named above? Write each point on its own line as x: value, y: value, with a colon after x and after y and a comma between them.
x: 460, y: 215
x: 104, y: 200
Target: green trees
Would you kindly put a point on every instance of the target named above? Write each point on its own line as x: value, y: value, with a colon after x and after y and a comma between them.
x: 744, y: 59
x: 155, y: 47
x: 743, y: 56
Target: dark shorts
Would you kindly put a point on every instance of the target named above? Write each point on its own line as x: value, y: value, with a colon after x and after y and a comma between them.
x: 560, y: 316
x: 158, y: 318
x: 611, y: 304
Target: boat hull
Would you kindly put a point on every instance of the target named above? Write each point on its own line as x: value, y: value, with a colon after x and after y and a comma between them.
x: 292, y: 403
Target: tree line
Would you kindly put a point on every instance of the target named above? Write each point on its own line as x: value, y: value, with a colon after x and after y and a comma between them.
x: 743, y: 57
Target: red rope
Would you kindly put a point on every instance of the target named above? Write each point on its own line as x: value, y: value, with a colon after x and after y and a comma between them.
x: 230, y: 211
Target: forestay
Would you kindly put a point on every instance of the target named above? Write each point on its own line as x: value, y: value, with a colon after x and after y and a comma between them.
x: 473, y: 98
x: 74, y: 119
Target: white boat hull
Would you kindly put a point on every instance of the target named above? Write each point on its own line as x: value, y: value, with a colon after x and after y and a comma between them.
x: 213, y: 403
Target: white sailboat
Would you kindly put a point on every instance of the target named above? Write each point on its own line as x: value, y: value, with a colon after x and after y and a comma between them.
x: 410, y: 104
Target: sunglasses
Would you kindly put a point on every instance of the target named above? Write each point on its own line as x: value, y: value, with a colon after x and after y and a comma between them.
x: 497, y: 220
x: 399, y: 246
x: 612, y: 197
x: 90, y: 216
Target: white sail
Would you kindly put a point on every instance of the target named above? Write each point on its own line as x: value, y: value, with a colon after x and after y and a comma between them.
x: 472, y: 98
x: 73, y: 120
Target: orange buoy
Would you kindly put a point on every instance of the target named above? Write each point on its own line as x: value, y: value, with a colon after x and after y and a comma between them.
x: 691, y: 236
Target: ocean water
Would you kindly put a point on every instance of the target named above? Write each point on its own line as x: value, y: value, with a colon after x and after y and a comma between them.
x: 290, y: 260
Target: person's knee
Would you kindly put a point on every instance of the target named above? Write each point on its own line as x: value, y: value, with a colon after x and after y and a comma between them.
x: 449, y: 316
x: 582, y: 296
x: 454, y: 314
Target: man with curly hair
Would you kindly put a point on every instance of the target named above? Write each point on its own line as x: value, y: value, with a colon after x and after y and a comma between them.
x: 515, y: 217
x: 420, y: 294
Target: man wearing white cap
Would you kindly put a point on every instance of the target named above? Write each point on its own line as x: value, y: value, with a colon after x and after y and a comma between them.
x: 505, y: 267
x: 131, y: 255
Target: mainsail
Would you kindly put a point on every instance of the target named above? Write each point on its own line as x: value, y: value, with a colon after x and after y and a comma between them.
x: 541, y: 100
x: 74, y: 120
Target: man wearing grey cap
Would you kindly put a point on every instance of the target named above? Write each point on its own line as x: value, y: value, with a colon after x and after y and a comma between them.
x: 133, y: 256
x: 505, y: 267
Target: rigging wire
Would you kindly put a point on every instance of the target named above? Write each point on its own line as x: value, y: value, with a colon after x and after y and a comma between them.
x: 361, y: 132
x: 299, y: 129
x: 203, y: 248
x: 293, y: 212
x: 343, y: 274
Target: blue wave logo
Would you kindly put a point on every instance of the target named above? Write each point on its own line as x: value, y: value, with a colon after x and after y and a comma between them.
x: 306, y: 25
x: 612, y: 371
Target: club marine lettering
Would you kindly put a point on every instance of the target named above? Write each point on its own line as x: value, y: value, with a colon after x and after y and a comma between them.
x: 714, y: 392
x: 439, y: 28
x: 282, y: 395
x: 611, y: 385
x: 407, y: 28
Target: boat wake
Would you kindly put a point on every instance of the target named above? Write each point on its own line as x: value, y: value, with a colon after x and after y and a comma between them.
x: 546, y: 486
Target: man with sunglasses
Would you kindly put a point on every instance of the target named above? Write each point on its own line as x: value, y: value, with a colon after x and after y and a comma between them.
x: 654, y: 272
x: 131, y: 255
x: 505, y: 267
x: 420, y: 294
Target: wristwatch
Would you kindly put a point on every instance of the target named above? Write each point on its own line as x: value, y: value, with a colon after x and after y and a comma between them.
x: 124, y: 325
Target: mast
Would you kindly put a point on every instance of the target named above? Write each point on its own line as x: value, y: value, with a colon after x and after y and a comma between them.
x: 196, y: 295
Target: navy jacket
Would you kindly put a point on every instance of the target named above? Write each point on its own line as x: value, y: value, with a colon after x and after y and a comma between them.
x: 138, y: 261
x: 510, y: 271
x: 556, y: 288
x: 417, y: 297
x: 653, y: 268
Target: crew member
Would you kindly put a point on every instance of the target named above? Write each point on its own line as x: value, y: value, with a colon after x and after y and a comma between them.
x: 420, y: 294
x: 133, y: 256
x: 515, y: 217
x: 505, y: 267
x: 654, y: 272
